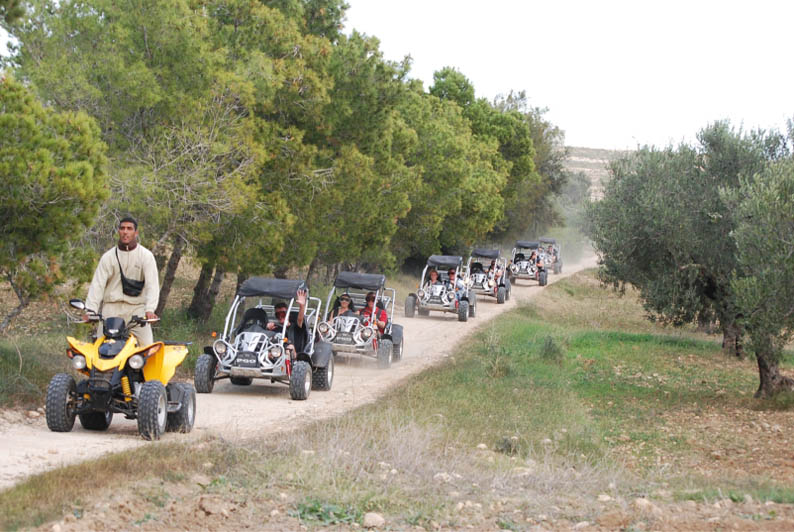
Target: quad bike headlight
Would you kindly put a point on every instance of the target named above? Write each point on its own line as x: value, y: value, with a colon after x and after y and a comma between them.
x: 136, y: 362
x: 367, y: 332
x: 220, y: 347
x: 78, y: 362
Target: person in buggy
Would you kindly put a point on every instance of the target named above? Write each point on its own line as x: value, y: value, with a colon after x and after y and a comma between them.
x: 370, y: 310
x: 296, y: 332
x: 432, y: 279
x: 495, y: 268
x: 344, y: 305
x: 457, y: 285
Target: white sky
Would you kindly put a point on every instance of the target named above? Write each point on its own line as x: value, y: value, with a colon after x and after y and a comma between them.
x: 614, y: 74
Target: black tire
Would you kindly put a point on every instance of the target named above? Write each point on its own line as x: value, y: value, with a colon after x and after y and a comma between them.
x: 397, y: 353
x: 472, y: 305
x: 385, y: 353
x: 204, y: 376
x: 323, y: 378
x: 410, y: 306
x: 300, y: 381
x: 61, y: 403
x: 241, y: 381
x: 182, y: 420
x: 543, y: 278
x: 152, y: 410
x: 501, y: 294
x: 463, y: 311
x: 96, y: 420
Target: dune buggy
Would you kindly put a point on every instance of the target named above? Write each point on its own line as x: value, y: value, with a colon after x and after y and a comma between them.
x: 550, y: 254
x: 486, y: 274
x: 122, y: 378
x: 521, y: 267
x: 439, y: 295
x: 352, y: 333
x: 285, y: 353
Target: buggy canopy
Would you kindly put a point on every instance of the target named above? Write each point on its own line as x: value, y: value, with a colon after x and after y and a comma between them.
x: 485, y: 253
x: 527, y: 244
x: 260, y: 286
x: 362, y: 281
x: 545, y: 240
x: 445, y: 261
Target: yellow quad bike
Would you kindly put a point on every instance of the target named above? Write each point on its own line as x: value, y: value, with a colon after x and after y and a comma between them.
x: 122, y: 378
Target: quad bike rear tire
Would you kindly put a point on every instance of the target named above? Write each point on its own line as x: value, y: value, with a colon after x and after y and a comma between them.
x: 61, y: 398
x: 463, y: 311
x: 501, y: 294
x: 385, y: 353
x: 241, y: 381
x: 204, y: 376
x: 182, y: 420
x: 410, y: 306
x: 96, y: 420
x: 397, y: 354
x: 300, y: 381
x: 323, y: 378
x: 152, y: 410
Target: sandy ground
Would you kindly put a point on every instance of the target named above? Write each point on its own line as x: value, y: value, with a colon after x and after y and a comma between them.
x: 27, y: 447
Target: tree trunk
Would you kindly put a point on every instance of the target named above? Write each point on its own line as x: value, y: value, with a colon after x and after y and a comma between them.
x: 312, y: 266
x: 280, y: 272
x: 732, y: 340
x: 772, y: 381
x: 23, y: 302
x: 201, y: 291
x: 212, y: 294
x: 241, y: 278
x: 170, y: 274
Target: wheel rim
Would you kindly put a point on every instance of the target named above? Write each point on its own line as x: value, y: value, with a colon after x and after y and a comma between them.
x: 162, y: 410
x: 307, y: 382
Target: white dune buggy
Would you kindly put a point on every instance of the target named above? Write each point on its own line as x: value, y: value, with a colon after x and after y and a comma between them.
x: 351, y: 333
x: 440, y: 295
x: 249, y: 350
x: 486, y: 274
x: 521, y: 267
x: 550, y: 253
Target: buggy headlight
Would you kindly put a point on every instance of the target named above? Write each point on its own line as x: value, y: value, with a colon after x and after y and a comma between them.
x: 367, y: 332
x: 490, y: 283
x: 275, y: 351
x: 514, y: 268
x: 136, y: 362
x: 323, y: 328
x: 78, y: 362
x: 449, y: 296
x: 220, y: 347
x: 420, y: 294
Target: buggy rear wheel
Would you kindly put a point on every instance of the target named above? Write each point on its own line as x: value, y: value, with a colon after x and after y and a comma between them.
x: 472, y: 305
x: 204, y: 376
x: 241, y: 381
x: 61, y: 403
x: 300, y: 381
x: 182, y: 420
x: 323, y: 378
x: 397, y: 353
x: 96, y: 420
x: 410, y: 306
x: 152, y: 410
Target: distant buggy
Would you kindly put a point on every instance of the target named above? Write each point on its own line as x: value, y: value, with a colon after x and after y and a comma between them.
x: 248, y: 350
x: 351, y: 333
x: 551, y: 258
x: 521, y: 267
x: 440, y: 296
x: 486, y: 273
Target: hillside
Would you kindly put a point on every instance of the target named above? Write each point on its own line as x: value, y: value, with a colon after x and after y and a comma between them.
x: 593, y: 163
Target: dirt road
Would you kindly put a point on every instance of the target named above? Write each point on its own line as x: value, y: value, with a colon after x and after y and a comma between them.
x: 28, y: 447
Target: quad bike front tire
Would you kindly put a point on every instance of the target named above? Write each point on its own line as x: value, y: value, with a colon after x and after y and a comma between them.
x: 385, y: 353
x: 204, y: 376
x: 182, y: 420
x: 463, y: 311
x: 410, y: 306
x: 152, y: 410
x: 300, y: 381
x: 61, y: 403
x: 501, y: 294
x: 323, y: 378
x: 397, y: 353
x: 241, y: 381
x: 96, y: 420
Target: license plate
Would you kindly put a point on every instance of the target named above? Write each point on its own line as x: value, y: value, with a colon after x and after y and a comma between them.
x: 344, y: 338
x: 247, y: 360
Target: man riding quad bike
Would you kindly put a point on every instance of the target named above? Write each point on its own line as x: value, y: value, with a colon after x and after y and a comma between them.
x: 551, y: 254
x: 269, y: 334
x: 490, y: 279
x: 122, y: 378
x: 526, y: 264
x: 441, y: 289
x: 352, y: 331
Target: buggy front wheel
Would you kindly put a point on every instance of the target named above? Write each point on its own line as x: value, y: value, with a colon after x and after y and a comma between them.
x: 300, y: 381
x: 385, y: 353
x: 204, y: 376
x: 323, y: 378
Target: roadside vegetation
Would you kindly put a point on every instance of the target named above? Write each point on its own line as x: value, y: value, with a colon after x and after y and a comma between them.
x: 573, y: 408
